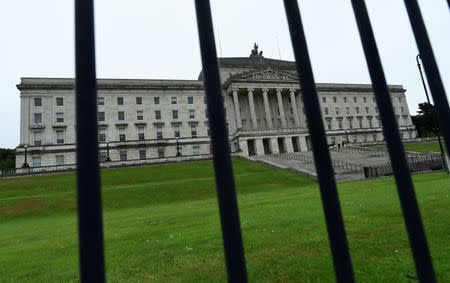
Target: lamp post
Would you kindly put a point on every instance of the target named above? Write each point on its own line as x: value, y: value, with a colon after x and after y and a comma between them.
x: 25, y: 164
x: 107, y: 152
x: 178, y: 149
x: 435, y: 122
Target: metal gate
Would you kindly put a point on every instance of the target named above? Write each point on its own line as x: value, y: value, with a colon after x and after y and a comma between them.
x: 88, y: 175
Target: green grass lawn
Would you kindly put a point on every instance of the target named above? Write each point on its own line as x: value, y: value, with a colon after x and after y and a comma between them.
x: 432, y: 146
x: 161, y: 224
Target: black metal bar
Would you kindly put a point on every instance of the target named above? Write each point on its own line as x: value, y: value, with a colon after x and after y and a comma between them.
x: 226, y: 193
x: 431, y: 69
x: 400, y: 168
x: 322, y: 160
x: 92, y: 266
x: 436, y: 127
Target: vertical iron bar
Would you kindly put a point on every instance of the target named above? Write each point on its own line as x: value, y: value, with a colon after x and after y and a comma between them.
x: 88, y: 175
x: 431, y: 69
x: 322, y: 160
x: 405, y: 187
x: 226, y: 193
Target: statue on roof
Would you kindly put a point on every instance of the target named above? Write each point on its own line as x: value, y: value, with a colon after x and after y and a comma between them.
x: 255, y: 50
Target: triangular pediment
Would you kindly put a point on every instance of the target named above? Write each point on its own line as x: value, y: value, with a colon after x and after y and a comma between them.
x: 267, y: 74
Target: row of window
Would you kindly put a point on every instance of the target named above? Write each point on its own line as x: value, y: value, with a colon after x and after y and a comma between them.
x: 138, y: 99
x: 355, y: 99
x: 142, y: 136
x: 140, y: 115
x: 37, y: 118
x: 161, y: 153
x: 38, y: 101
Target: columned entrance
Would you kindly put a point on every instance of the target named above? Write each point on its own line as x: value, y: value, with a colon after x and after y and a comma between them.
x: 295, y: 144
x: 281, y: 146
x: 266, y: 144
x: 251, y: 147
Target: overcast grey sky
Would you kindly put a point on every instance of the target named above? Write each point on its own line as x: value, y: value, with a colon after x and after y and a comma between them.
x: 158, y: 39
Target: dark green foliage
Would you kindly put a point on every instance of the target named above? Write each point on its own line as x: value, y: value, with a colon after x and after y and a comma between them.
x: 424, y: 120
x: 7, y: 158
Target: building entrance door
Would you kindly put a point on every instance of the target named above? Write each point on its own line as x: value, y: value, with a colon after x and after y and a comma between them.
x: 251, y: 147
x: 281, y: 145
x: 266, y: 144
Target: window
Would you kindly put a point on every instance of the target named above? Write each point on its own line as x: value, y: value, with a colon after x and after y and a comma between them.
x: 367, y: 110
x: 158, y: 114
x: 340, y: 123
x: 101, y: 116
x: 175, y: 114
x: 141, y: 134
x: 345, y: 99
x: 402, y: 109
x: 334, y: 99
x: 138, y: 100
x: 142, y: 154
x: 192, y: 114
x: 59, y: 159
x: 324, y: 99
x: 59, y: 117
x: 59, y: 136
x: 173, y: 100
x: 159, y: 132
x: 140, y: 115
x: 374, y: 137
x: 190, y: 100
x: 196, y: 150
x: 355, y: 99
x: 121, y: 115
x: 36, y: 161
x: 400, y: 99
x: 38, y: 101
x: 161, y: 152
x: 370, y: 122
x: 37, y: 138
x: 360, y: 123
x: 103, y: 157
x: 329, y: 124
x: 122, y: 135
x: 337, y: 110
x: 194, y: 131
x: 347, y: 110
x: 156, y: 100
x: 59, y: 101
x: 326, y: 110
x: 119, y: 100
x: 364, y: 99
x: 100, y: 101
x: 102, y: 135
x: 38, y: 118
x: 176, y: 131
x: 123, y: 155
x: 350, y: 123
x: 357, y: 110
x: 376, y: 109
x: 204, y: 99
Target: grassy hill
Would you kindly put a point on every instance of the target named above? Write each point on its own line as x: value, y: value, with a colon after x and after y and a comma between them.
x: 161, y: 224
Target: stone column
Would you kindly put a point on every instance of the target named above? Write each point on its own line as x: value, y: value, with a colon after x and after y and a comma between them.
x: 288, y: 143
x: 237, y: 109
x: 274, y: 146
x: 281, y: 108
x: 259, y: 147
x: 302, y: 143
x: 267, y: 108
x: 251, y: 102
x: 294, y: 107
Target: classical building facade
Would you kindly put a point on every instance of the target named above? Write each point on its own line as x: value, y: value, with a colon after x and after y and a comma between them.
x: 157, y: 119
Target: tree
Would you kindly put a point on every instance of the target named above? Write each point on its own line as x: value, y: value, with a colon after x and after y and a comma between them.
x: 7, y: 158
x: 424, y: 120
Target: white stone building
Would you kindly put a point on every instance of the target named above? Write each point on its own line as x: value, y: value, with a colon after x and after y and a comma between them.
x: 146, y: 119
